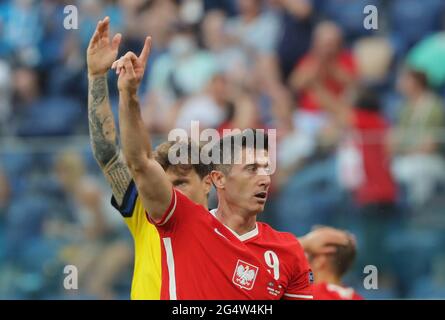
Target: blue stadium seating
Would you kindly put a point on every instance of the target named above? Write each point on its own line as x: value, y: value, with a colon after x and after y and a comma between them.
x: 55, y: 116
x: 411, y: 20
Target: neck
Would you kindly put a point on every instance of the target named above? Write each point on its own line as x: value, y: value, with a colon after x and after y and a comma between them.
x: 236, y: 219
x: 416, y: 96
x: 328, y: 278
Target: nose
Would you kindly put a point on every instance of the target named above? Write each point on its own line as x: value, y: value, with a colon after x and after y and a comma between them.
x: 264, y: 181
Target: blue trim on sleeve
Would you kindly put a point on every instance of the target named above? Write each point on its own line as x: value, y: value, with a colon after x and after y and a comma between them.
x: 129, y: 201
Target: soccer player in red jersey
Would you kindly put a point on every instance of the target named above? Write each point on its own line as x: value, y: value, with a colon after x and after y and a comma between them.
x: 329, y: 269
x: 224, y: 255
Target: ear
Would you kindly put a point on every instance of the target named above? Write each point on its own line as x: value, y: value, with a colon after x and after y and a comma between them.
x: 218, y: 179
x: 319, y: 262
x: 207, y: 184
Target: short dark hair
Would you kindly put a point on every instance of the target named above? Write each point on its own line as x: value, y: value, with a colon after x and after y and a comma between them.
x: 343, y: 258
x: 161, y: 156
x: 419, y: 76
x: 237, y: 143
x: 368, y: 99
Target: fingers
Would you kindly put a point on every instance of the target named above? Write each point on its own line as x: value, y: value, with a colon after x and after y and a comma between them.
x: 96, y: 36
x: 114, y: 65
x: 119, y: 64
x: 101, y: 32
x: 105, y: 28
x: 116, y: 42
x: 128, y: 67
x: 333, y: 236
x: 328, y: 250
x: 145, y: 50
x: 102, y: 26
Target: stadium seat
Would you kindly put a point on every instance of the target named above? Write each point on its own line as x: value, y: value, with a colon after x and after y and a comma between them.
x: 411, y: 20
x: 427, y: 288
x: 411, y: 253
x: 23, y: 225
x: 310, y: 197
x: 348, y: 14
x: 55, y: 116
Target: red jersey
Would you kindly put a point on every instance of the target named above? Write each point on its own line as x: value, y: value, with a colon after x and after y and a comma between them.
x: 204, y: 259
x: 379, y: 184
x: 327, y: 291
x: 308, y: 100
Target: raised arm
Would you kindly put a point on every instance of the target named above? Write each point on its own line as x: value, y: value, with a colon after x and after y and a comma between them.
x: 152, y: 183
x: 101, y: 54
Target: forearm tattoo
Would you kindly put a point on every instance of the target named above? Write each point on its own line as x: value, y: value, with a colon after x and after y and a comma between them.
x: 101, y: 123
x: 118, y: 176
x: 104, y: 139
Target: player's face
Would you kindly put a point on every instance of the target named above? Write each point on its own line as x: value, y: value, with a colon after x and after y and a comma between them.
x: 190, y: 184
x: 248, y: 183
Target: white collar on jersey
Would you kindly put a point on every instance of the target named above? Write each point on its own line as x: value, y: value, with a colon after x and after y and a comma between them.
x: 243, y: 237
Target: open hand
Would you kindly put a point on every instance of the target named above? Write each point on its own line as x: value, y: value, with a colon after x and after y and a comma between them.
x: 102, y: 52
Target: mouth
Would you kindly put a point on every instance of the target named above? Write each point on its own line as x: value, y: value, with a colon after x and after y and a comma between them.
x: 261, y: 195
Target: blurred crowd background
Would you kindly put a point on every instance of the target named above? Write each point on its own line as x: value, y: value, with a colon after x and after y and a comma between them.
x: 359, y: 116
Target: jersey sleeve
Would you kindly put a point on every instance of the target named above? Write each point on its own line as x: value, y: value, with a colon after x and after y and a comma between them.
x: 178, y: 212
x: 300, y: 284
x: 131, y: 209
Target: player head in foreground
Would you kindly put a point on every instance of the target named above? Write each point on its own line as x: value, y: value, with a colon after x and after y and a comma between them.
x: 193, y: 180
x: 241, y: 176
x: 329, y: 269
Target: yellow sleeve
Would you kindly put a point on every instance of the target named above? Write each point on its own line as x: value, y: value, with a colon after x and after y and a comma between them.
x: 137, y: 218
x: 146, y: 284
x: 131, y: 209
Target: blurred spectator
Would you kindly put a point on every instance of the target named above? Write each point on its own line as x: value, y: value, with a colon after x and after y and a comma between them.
x: 418, y: 162
x: 185, y: 69
x: 22, y: 31
x: 296, y: 24
x: 5, y: 195
x: 54, y: 34
x: 228, y: 6
x: 26, y: 88
x: 100, y: 254
x: 426, y: 56
x: 182, y: 71
x: 374, y: 57
x: 327, y: 63
x: 191, y: 11
x: 364, y: 168
x: 255, y: 29
x: 156, y: 18
x: 209, y: 108
x: 35, y: 114
x: 67, y: 78
x: 231, y: 59
x: 349, y: 15
x: 242, y: 113
x: 5, y: 95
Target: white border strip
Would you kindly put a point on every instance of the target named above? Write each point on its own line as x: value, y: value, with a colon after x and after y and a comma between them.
x: 171, y: 268
x: 300, y: 296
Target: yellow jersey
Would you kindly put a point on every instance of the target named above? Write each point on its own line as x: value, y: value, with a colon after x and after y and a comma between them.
x: 146, y: 284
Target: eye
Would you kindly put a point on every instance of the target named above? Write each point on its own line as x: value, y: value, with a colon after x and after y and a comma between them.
x: 252, y: 169
x: 180, y: 183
